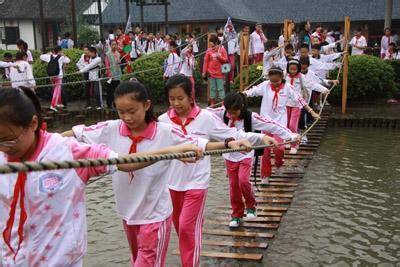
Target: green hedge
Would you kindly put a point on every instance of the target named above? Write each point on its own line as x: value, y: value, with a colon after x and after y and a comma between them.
x: 255, y: 72
x: 150, y: 73
x: 35, y: 53
x: 369, y: 78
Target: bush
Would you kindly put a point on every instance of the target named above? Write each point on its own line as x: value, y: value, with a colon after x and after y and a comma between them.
x: 255, y: 71
x: 148, y: 69
x: 369, y: 78
x: 35, y: 53
x: 396, y: 67
x: 75, y: 91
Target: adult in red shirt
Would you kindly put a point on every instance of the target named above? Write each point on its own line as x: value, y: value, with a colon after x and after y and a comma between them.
x: 124, y: 49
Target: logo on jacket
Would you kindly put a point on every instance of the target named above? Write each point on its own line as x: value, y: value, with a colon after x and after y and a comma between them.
x: 50, y: 182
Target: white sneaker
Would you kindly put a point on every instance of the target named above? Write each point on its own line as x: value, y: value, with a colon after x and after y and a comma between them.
x: 60, y: 106
x: 88, y: 107
x: 251, y: 213
x: 264, y: 180
x: 287, y: 146
x: 53, y: 109
x: 304, y: 140
x: 235, y: 222
x: 293, y: 151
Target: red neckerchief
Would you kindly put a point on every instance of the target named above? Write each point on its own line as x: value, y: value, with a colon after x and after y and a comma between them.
x: 133, y: 148
x: 19, y: 196
x: 86, y: 59
x: 292, y: 77
x: 232, y: 123
x: 178, y: 121
x: 276, y: 95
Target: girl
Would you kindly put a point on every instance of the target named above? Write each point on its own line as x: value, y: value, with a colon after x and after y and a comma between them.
x: 188, y: 65
x: 142, y: 197
x: 56, y: 58
x: 43, y: 214
x: 114, y: 73
x: 172, y: 64
x: 215, y: 56
x: 83, y: 61
x: 188, y: 183
x: 22, y: 76
x: 238, y: 165
x: 303, y: 87
x: 23, y: 47
x: 276, y: 95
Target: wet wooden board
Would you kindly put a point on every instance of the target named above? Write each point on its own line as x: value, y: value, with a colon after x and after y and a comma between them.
x: 238, y: 233
x: 253, y: 220
x: 271, y: 189
x: 275, y: 195
x: 275, y: 201
x: 227, y: 255
x: 239, y: 244
x: 278, y: 184
x: 258, y: 207
x: 246, y: 224
x: 259, y: 213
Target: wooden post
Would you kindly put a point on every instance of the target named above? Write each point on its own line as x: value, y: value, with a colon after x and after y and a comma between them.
x: 345, y: 63
x: 100, y: 18
x: 141, y: 15
x: 127, y: 9
x: 42, y: 27
x: 208, y: 82
x: 166, y: 15
x: 285, y: 30
x: 73, y: 16
x: 244, y: 60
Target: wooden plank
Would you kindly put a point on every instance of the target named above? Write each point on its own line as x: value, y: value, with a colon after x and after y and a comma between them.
x: 275, y: 201
x: 229, y: 255
x: 257, y: 219
x: 247, y: 224
x: 278, y: 180
x: 278, y: 184
x: 259, y: 213
x: 273, y: 195
x: 237, y: 233
x: 239, y: 244
x: 270, y: 189
x: 274, y: 208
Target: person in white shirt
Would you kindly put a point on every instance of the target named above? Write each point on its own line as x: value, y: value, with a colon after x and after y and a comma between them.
x: 159, y: 42
x: 23, y: 47
x: 231, y: 37
x: 256, y: 46
x: 385, y: 41
x: 172, y: 64
x: 55, y: 68
x: 392, y: 53
x: 188, y: 65
x: 22, y: 76
x: 93, y: 68
x: 316, y: 53
x: 6, y: 64
x: 150, y: 44
x: 136, y: 48
x: 358, y: 43
x: 190, y: 40
x: 270, y: 55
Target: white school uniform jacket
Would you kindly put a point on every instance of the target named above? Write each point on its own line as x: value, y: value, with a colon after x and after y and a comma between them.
x: 358, y: 42
x: 385, y: 41
x: 310, y: 75
x: 268, y: 108
x: 329, y: 58
x: 61, y: 62
x: 188, y: 63
x: 136, y: 49
x: 233, y: 46
x: 159, y: 44
x: 23, y: 77
x: 143, y: 197
x: 321, y: 68
x: 82, y: 62
x: 304, y: 87
x: 258, y: 123
x: 206, y: 125
x: 256, y: 45
x: 55, y: 231
x: 173, y: 65
x: 93, y: 68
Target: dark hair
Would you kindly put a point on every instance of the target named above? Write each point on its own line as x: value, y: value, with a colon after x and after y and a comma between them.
x: 86, y: 46
x: 110, y: 31
x: 275, y: 70
x: 392, y: 44
x: 92, y: 49
x: 21, y: 43
x: 304, y: 61
x: 316, y: 46
x: 358, y: 30
x: 67, y: 35
x: 173, y: 44
x: 272, y: 44
x: 7, y: 55
x: 289, y: 47
x: 18, y: 106
x: 57, y: 49
x: 293, y: 62
x: 305, y: 45
x: 139, y: 93
x: 318, y: 25
x: 236, y: 101
x: 20, y: 55
x: 179, y: 80
x: 214, y: 39
x: 387, y: 28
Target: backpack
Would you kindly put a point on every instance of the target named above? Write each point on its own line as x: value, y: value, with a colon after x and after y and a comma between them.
x: 53, y: 67
x: 64, y: 43
x: 247, y: 128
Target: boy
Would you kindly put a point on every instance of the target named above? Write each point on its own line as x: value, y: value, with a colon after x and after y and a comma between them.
x: 358, y: 43
x: 113, y: 72
x: 257, y: 41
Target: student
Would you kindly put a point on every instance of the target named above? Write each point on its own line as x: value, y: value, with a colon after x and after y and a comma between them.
x: 124, y: 48
x: 188, y: 184
x: 233, y: 46
x: 234, y: 113
x: 83, y: 61
x: 270, y: 55
x: 23, y: 47
x: 257, y: 41
x: 142, y: 198
x: 93, y: 68
x: 150, y: 44
x: 303, y: 87
x: 305, y: 34
x: 392, y: 53
x: 316, y: 53
x: 6, y: 64
x: 172, y: 64
x: 215, y: 56
x: 190, y: 40
x: 188, y: 65
x: 317, y: 37
x: 55, y: 68
x: 288, y: 55
x: 159, y: 43
x: 358, y: 43
x: 23, y: 75
x: 67, y: 42
x: 385, y: 41
x: 276, y: 94
x: 114, y: 73
x: 136, y: 49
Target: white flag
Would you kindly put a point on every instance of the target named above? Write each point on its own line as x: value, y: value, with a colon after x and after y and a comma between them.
x: 229, y: 30
x: 128, y: 27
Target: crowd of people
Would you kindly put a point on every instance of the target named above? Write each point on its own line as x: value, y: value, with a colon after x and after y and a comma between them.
x: 43, y: 214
